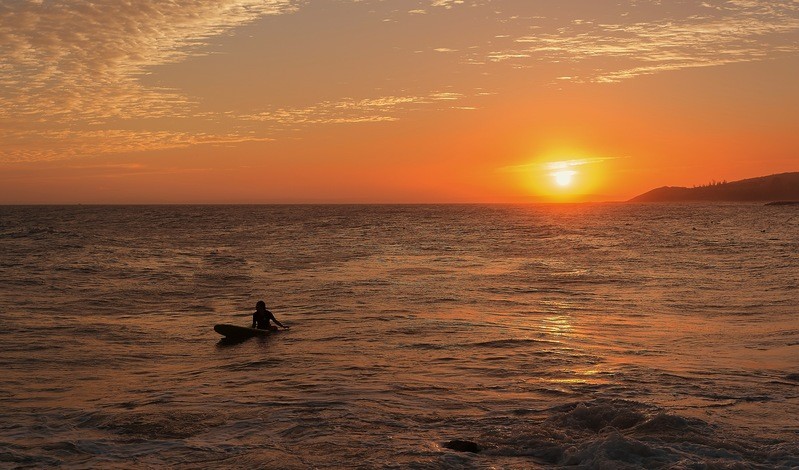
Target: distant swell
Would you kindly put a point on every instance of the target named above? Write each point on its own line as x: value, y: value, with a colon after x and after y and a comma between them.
x: 510, y: 343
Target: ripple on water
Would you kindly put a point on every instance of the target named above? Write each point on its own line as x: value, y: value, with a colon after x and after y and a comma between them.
x: 415, y: 326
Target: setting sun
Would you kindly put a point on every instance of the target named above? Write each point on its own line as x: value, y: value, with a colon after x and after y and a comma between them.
x: 564, y: 177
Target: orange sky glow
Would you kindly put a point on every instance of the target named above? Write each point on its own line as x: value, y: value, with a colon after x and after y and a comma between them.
x: 389, y: 101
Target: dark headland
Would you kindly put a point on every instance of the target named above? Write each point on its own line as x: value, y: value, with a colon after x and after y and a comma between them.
x: 780, y: 189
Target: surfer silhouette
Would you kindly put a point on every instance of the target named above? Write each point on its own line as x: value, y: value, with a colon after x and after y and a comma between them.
x: 262, y: 316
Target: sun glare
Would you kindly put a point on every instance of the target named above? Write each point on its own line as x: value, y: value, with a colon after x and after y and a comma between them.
x: 559, y: 179
x: 564, y: 177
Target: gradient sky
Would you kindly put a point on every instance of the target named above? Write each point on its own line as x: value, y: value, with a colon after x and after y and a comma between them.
x: 259, y: 101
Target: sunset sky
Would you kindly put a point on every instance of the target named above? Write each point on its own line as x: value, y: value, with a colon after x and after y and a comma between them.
x: 273, y: 101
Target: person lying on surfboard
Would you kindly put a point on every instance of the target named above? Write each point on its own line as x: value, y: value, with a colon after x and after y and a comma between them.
x: 261, y: 317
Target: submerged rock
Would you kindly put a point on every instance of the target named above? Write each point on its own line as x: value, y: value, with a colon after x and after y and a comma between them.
x: 463, y: 446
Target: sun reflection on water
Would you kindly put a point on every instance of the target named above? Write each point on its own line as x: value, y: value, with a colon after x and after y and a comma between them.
x: 559, y: 325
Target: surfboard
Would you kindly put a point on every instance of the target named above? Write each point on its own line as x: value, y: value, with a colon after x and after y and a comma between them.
x: 240, y: 332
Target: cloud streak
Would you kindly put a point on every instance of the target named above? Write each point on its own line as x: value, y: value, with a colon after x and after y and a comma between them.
x: 64, y: 144
x: 718, y: 33
x: 43, y: 145
x: 554, y: 165
x: 351, y: 110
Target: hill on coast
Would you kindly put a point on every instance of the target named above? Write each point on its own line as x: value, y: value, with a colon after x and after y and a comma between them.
x: 780, y: 187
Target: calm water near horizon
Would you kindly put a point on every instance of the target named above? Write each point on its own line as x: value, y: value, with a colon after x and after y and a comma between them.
x: 595, y: 336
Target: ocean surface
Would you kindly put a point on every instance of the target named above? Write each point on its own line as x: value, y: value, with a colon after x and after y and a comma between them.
x: 551, y: 336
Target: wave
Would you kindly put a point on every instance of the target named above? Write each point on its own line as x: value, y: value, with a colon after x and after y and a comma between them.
x: 155, y: 426
x: 623, y: 434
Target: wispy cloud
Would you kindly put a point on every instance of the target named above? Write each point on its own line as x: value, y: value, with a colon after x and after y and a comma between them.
x: 71, y: 71
x: 351, y: 110
x: 446, y: 3
x: 71, y: 78
x: 41, y: 144
x: 48, y: 145
x: 554, y: 165
x: 73, y: 61
x: 713, y: 33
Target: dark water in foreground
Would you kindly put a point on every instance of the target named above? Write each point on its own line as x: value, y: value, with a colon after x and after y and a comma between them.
x: 598, y: 336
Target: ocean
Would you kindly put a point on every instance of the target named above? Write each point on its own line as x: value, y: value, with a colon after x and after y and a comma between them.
x: 543, y: 336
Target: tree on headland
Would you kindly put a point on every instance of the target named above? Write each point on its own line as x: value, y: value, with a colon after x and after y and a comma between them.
x: 711, y: 184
